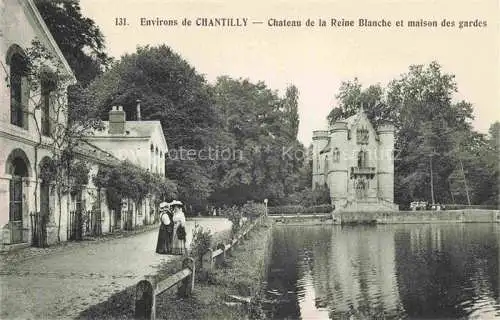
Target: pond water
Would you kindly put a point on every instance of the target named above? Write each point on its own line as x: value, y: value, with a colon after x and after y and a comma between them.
x: 384, y: 272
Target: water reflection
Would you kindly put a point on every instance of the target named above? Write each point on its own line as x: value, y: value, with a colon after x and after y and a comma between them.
x: 391, y: 272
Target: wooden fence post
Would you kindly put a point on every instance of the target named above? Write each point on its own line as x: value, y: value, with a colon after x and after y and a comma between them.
x: 186, y: 289
x: 219, y: 260
x: 145, y: 301
x: 207, y: 262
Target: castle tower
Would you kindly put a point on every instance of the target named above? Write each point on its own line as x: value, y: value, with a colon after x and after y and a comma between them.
x: 385, y: 167
x: 338, y: 174
x: 320, y: 141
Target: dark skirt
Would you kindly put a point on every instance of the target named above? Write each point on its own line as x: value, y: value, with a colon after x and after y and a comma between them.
x: 164, y: 244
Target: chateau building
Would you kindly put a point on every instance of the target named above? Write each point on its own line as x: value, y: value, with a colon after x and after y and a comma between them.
x: 356, y: 162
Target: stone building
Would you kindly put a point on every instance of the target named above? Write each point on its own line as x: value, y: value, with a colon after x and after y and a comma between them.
x: 356, y: 162
x: 140, y: 142
x: 24, y: 148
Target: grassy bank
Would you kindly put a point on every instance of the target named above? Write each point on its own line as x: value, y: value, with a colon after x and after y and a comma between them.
x: 242, y: 275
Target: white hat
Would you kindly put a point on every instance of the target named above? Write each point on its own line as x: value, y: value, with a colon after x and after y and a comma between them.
x: 175, y: 203
x: 163, y: 205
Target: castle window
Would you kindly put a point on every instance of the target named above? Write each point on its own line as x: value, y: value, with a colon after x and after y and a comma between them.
x: 362, y: 136
x: 326, y: 165
x: 363, y: 159
x: 336, y: 155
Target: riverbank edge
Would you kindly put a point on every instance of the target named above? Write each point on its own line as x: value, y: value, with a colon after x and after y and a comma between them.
x: 242, y: 277
x: 398, y: 217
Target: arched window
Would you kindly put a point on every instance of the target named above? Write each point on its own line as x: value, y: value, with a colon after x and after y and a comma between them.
x: 361, y: 189
x: 161, y: 162
x: 152, y: 157
x: 326, y: 165
x: 360, y: 159
x: 156, y: 160
x: 18, y: 84
x: 336, y: 155
x: 362, y: 136
x: 365, y: 159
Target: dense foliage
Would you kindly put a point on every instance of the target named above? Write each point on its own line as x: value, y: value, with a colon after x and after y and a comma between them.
x: 200, y: 244
x: 228, y: 143
x: 78, y: 37
x: 128, y: 181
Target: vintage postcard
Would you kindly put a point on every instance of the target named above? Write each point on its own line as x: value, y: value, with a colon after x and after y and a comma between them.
x: 317, y: 159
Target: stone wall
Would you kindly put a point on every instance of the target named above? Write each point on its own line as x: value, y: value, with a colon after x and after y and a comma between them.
x: 448, y: 216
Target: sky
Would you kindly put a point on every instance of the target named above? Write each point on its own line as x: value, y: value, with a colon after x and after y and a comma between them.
x: 317, y: 59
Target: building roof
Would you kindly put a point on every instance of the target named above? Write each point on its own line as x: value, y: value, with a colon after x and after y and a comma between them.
x: 133, y: 129
x: 86, y: 149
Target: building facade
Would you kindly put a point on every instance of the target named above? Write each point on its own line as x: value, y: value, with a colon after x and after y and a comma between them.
x: 356, y: 162
x: 25, y: 122
x: 143, y: 144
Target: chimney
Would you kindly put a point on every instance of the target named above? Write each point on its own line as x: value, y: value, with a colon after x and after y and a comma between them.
x: 138, y: 109
x: 116, y: 120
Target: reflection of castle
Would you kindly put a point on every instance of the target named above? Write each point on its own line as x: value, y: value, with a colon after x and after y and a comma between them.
x: 356, y: 162
x: 361, y: 274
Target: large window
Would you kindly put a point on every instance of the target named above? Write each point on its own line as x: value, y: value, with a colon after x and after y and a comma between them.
x: 18, y: 89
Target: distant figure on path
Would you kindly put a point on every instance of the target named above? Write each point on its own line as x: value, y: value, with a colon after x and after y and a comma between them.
x: 179, y: 234
x: 165, y: 234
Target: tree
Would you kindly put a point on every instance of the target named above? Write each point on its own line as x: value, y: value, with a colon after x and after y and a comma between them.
x: 291, y: 113
x: 260, y: 127
x: 78, y: 37
x: 172, y: 92
x: 352, y: 96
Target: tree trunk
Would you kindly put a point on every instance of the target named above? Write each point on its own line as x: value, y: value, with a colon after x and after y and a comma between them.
x: 432, y: 183
x: 465, y: 182
x: 60, y: 214
x: 451, y: 191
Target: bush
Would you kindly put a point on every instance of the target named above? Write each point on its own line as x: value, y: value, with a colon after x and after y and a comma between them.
x: 253, y: 210
x: 249, y: 210
x: 202, y: 240
x: 234, y: 215
x: 308, y: 197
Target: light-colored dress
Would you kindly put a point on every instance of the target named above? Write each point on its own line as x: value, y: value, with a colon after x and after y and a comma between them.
x: 178, y: 245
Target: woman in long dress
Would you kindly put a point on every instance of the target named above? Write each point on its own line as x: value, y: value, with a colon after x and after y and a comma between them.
x: 179, y: 232
x: 164, y: 243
